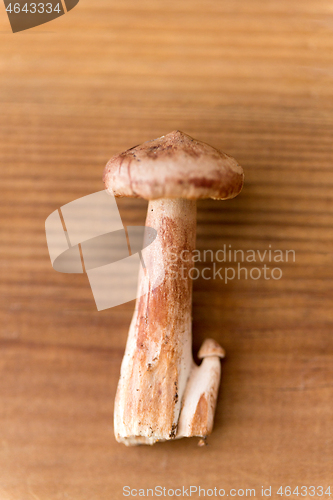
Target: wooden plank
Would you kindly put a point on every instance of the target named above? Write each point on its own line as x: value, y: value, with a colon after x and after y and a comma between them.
x: 251, y: 78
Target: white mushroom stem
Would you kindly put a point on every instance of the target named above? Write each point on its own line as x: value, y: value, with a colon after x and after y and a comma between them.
x: 158, y: 359
x: 198, y: 409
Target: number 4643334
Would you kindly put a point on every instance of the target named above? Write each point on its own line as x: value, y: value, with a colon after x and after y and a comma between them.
x: 305, y: 491
x: 33, y: 8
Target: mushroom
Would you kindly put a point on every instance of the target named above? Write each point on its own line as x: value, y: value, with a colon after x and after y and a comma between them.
x: 198, y: 408
x: 162, y: 394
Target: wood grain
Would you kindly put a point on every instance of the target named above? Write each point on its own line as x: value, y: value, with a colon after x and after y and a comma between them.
x: 252, y: 78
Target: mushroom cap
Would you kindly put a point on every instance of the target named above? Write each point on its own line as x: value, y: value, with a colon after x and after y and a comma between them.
x: 211, y: 348
x: 174, y: 166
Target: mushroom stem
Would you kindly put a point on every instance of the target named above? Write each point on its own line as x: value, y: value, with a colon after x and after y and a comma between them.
x: 158, y: 357
x: 198, y: 408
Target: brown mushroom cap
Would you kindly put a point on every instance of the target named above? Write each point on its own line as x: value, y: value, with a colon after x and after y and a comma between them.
x: 174, y: 166
x: 211, y: 348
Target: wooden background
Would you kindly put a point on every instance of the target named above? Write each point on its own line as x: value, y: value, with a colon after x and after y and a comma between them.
x: 253, y: 78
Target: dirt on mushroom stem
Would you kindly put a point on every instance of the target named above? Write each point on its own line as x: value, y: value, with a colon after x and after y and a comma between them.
x: 158, y: 357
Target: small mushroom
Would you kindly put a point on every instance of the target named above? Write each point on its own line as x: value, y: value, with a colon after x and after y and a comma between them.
x: 197, y: 413
x: 161, y: 393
